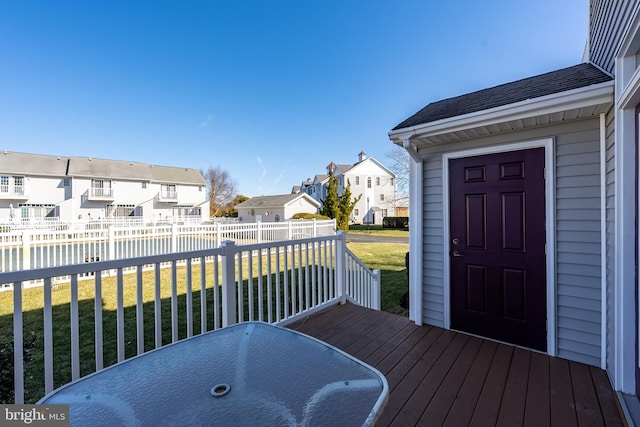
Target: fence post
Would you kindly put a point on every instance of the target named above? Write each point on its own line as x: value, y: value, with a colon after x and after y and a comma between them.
x: 258, y: 232
x: 315, y: 228
x: 229, y: 291
x: 112, y: 242
x: 174, y: 237
x: 217, y: 225
x: 26, y: 250
x: 376, y: 290
x: 341, y: 272
x: 289, y: 230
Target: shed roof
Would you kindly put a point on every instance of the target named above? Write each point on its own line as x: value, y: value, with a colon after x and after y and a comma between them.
x: 577, y: 76
x: 276, y: 201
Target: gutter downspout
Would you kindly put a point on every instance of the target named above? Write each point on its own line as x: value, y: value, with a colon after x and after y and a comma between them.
x: 415, y: 232
x: 603, y: 241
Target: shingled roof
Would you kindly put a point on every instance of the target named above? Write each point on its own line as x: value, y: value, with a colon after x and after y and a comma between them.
x: 562, y: 80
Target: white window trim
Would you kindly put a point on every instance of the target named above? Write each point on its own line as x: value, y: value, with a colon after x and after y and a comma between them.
x: 548, y: 145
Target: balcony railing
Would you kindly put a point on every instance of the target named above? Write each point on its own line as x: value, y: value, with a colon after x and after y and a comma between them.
x: 168, y: 196
x: 276, y: 282
x: 13, y: 192
x: 99, y: 193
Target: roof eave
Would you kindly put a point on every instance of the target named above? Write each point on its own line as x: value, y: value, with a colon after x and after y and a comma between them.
x: 589, y: 96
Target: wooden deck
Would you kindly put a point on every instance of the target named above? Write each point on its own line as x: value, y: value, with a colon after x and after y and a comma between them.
x: 440, y: 377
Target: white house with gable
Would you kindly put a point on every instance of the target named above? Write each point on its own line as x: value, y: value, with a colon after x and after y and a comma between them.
x: 37, y: 186
x: 369, y: 178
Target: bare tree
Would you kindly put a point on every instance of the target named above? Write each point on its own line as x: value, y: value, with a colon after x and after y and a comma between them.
x: 222, y: 189
x: 400, y: 166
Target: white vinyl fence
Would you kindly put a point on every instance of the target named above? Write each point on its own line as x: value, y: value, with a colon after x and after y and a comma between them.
x: 41, y: 248
x: 88, y: 316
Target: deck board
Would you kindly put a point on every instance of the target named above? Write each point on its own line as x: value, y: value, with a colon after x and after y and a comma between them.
x: 442, y: 377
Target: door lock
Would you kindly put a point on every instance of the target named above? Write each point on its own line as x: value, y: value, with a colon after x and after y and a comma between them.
x: 455, y: 241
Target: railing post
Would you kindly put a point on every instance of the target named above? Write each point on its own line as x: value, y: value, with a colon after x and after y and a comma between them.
x: 218, y: 234
x: 174, y: 237
x: 258, y: 232
x: 341, y: 267
x: 376, y: 290
x: 229, y: 291
x: 112, y: 242
x: 290, y: 230
x: 26, y: 250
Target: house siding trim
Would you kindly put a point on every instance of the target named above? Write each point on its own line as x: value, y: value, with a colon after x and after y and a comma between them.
x: 627, y: 97
x: 548, y: 145
x: 603, y: 240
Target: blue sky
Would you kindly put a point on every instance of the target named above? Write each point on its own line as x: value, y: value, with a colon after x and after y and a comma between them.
x: 271, y: 90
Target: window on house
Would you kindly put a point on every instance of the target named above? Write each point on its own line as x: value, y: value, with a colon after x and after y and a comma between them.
x: 356, y: 212
x: 200, y: 188
x: 18, y: 184
x: 101, y: 187
x: 37, y: 211
x: 168, y: 191
x: 66, y: 182
x: 391, y: 181
x: 4, y: 184
x: 377, y: 180
x: 385, y: 213
x: 144, y: 184
x: 357, y: 180
x: 120, y: 210
x: 382, y: 197
x: 369, y: 182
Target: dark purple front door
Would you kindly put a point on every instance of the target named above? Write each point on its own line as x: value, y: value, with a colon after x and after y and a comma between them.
x: 497, y: 247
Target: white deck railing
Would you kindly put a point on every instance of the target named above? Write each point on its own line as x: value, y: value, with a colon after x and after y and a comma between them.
x: 276, y: 282
x: 29, y: 249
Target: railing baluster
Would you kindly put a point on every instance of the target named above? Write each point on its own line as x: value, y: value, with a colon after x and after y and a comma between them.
x: 174, y: 303
x: 120, y: 315
x: 48, y: 336
x: 216, y: 293
x: 157, y: 305
x: 97, y: 310
x: 203, y: 294
x: 260, y: 291
x: 269, y: 290
x: 250, y: 285
x: 75, y: 329
x: 18, y: 344
x: 189, y: 297
x: 139, y: 311
x: 286, y: 280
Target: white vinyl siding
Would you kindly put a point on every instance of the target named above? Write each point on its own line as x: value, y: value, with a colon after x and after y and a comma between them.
x: 577, y: 259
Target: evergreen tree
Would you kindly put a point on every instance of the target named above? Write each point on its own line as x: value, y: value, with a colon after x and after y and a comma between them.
x: 346, y: 206
x: 338, y: 207
x: 330, y: 205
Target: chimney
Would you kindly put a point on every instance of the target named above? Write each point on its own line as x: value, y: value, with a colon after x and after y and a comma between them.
x: 362, y: 156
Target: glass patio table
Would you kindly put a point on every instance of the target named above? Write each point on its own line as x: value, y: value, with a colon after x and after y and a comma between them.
x: 251, y: 373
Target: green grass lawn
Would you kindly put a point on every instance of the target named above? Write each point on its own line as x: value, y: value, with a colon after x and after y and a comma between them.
x: 377, y: 230
x: 389, y: 258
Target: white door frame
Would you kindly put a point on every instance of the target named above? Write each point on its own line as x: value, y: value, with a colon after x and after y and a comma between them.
x: 549, y: 175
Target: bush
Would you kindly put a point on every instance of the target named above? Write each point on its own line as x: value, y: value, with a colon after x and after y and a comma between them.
x: 309, y: 216
x: 400, y: 222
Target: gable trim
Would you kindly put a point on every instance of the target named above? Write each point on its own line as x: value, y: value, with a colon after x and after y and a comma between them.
x: 548, y: 145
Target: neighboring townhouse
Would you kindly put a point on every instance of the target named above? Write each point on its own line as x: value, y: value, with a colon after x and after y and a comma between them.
x: 370, y: 179
x: 276, y: 208
x: 524, y: 207
x: 36, y: 186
